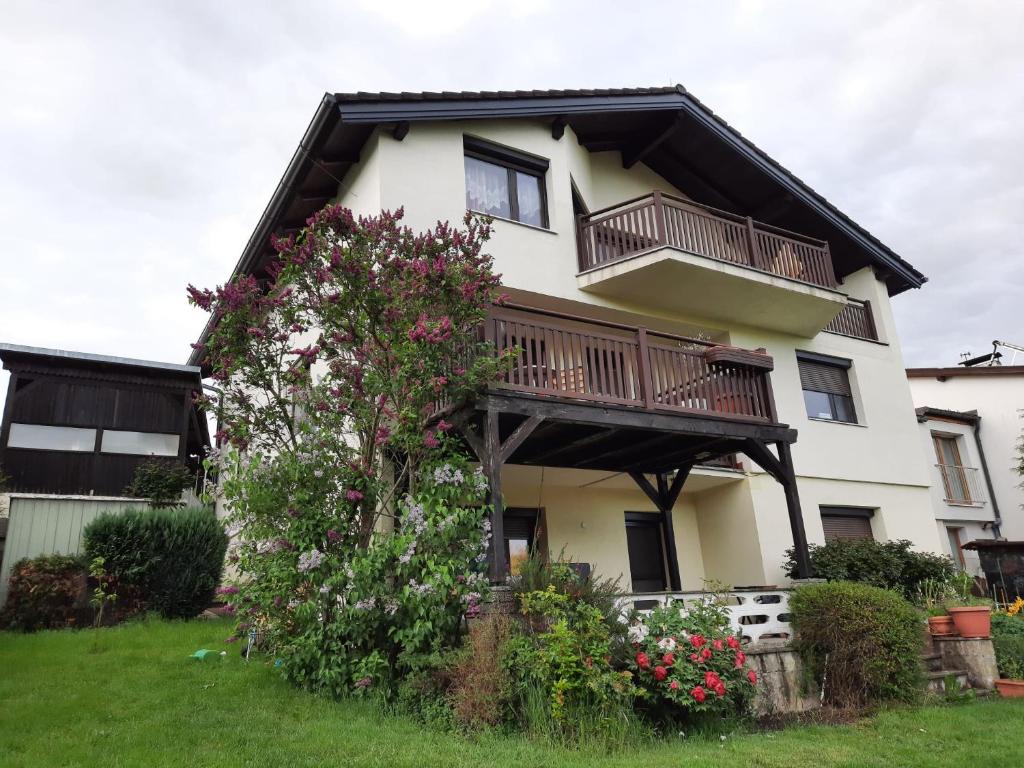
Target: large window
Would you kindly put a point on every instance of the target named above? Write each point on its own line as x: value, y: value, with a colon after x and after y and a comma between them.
x: 47, y: 438
x: 847, y: 523
x: 505, y: 183
x: 645, y: 543
x: 825, y: 381
x: 139, y: 443
x: 956, y: 478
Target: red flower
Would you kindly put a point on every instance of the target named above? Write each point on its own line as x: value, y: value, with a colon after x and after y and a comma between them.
x: 711, y: 680
x: 717, y: 644
x: 741, y: 657
x: 720, y: 690
x: 668, y: 659
x: 698, y: 694
x: 660, y: 673
x: 642, y: 661
x: 752, y: 677
x: 697, y: 640
x: 694, y: 658
x: 705, y: 654
x: 674, y: 685
x: 733, y: 642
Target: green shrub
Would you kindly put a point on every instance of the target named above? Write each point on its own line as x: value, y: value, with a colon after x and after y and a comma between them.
x: 1008, y: 639
x: 885, y: 564
x: 161, y: 481
x: 172, y: 557
x: 47, y: 592
x: 863, y: 642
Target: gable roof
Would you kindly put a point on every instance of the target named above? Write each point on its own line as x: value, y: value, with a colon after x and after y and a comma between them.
x: 982, y: 370
x: 673, y: 132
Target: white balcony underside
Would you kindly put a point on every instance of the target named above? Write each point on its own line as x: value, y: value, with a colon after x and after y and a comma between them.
x: 673, y: 280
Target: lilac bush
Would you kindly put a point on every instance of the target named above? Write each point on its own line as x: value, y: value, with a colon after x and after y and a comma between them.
x: 359, y: 532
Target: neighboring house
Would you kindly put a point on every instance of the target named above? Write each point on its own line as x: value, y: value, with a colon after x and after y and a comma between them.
x: 684, y: 307
x: 962, y: 496
x: 994, y: 394
x: 78, y: 423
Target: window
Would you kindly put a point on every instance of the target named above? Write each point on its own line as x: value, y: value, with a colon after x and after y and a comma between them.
x: 505, y: 183
x: 847, y: 523
x: 139, y: 443
x: 646, y: 546
x: 826, y: 384
x: 955, y: 479
x: 51, y: 438
x: 955, y: 547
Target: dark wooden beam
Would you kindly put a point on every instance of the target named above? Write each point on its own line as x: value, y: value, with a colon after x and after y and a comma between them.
x: 574, y: 445
x: 683, y: 455
x: 401, y: 130
x: 760, y: 453
x: 772, y: 209
x: 492, y: 469
x: 345, y: 159
x: 608, y: 417
x: 629, y: 450
x: 677, y: 485
x: 637, y: 150
x: 517, y: 437
x: 796, y: 517
x: 645, y: 485
x: 463, y: 421
x: 702, y: 187
x: 558, y: 128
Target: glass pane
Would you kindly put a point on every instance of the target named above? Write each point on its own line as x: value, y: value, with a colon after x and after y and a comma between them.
x: 528, y: 189
x: 51, y: 438
x: 518, y: 553
x: 487, y: 188
x: 843, y: 408
x: 139, y: 443
x: 818, y: 405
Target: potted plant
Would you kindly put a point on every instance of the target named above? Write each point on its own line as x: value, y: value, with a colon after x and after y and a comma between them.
x: 972, y: 615
x: 1008, y: 640
x: 932, y: 594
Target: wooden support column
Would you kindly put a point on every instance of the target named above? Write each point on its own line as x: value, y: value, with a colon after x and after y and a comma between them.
x: 664, y: 498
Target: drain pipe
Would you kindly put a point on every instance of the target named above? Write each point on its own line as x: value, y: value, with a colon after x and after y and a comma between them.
x: 997, y: 520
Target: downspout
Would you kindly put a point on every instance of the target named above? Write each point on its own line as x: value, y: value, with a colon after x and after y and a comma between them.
x: 997, y: 520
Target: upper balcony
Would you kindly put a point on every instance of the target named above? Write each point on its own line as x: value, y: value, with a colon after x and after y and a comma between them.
x: 664, y: 252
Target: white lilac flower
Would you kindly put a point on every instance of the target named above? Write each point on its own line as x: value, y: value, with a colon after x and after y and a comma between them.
x: 415, y: 518
x: 310, y: 560
x: 406, y: 556
x: 293, y: 604
x: 637, y: 633
x: 366, y: 604
x: 324, y: 589
x: 390, y: 606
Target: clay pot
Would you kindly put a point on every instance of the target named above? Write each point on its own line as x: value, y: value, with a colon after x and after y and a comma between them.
x: 1010, y: 689
x: 941, y: 626
x: 972, y: 621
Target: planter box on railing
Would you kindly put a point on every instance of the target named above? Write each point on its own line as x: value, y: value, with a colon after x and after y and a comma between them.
x: 740, y: 357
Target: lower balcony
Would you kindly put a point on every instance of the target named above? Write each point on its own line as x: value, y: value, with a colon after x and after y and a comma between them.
x: 663, y: 252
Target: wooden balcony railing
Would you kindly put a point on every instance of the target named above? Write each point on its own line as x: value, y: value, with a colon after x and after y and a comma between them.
x: 855, y: 320
x: 656, y: 220
x: 611, y: 364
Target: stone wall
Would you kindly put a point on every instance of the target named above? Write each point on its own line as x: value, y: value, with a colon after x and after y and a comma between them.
x: 783, y: 686
x: 973, y: 655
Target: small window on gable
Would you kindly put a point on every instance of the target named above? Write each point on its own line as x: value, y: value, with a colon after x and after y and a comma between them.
x: 505, y: 183
x: 825, y: 382
x: 49, y: 438
x: 138, y: 443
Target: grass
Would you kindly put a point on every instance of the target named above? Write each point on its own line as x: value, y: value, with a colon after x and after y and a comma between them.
x: 130, y: 696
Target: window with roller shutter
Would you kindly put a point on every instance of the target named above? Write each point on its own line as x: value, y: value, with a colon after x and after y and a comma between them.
x: 846, y: 523
x: 825, y: 381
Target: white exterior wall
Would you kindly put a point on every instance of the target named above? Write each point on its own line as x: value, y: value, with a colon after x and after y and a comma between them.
x: 741, y: 529
x: 999, y: 400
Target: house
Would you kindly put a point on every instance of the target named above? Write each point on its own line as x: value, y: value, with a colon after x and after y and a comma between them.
x: 971, y: 418
x: 685, y: 308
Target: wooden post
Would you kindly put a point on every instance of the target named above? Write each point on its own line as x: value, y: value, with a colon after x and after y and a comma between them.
x: 492, y: 452
x: 581, y: 245
x: 643, y: 362
x: 796, y: 519
x: 659, y: 218
x: 675, y: 583
x: 869, y: 321
x: 755, y: 252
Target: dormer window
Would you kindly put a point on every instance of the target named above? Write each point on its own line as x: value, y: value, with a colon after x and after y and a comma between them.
x: 505, y: 183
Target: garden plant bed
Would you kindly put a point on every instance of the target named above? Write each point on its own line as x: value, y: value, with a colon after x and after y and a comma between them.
x: 131, y: 696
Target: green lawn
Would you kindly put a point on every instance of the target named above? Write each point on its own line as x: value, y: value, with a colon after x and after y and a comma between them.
x: 130, y: 696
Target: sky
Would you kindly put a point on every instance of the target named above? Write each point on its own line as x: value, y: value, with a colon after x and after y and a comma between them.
x: 140, y: 141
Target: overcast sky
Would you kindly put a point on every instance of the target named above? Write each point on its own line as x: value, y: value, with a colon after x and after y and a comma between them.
x: 140, y: 141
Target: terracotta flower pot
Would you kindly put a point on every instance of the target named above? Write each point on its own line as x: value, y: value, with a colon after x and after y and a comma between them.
x: 941, y: 626
x: 972, y: 621
x: 1010, y: 689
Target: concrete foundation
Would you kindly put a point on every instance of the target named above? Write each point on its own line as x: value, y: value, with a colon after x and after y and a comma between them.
x: 975, y: 656
x: 783, y: 687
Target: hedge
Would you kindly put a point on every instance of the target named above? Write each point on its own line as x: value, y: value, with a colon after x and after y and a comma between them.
x: 47, y: 592
x: 861, y: 642
x: 172, y: 557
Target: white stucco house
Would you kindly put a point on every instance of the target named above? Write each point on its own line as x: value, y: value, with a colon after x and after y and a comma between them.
x: 970, y: 419
x: 709, y: 369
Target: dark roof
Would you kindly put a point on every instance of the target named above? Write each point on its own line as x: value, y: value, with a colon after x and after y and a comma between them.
x: 682, y: 140
x: 993, y: 544
x: 12, y: 352
x: 926, y: 412
x: 984, y: 370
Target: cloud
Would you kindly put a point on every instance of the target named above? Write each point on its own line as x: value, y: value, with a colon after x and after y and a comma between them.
x: 140, y: 141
